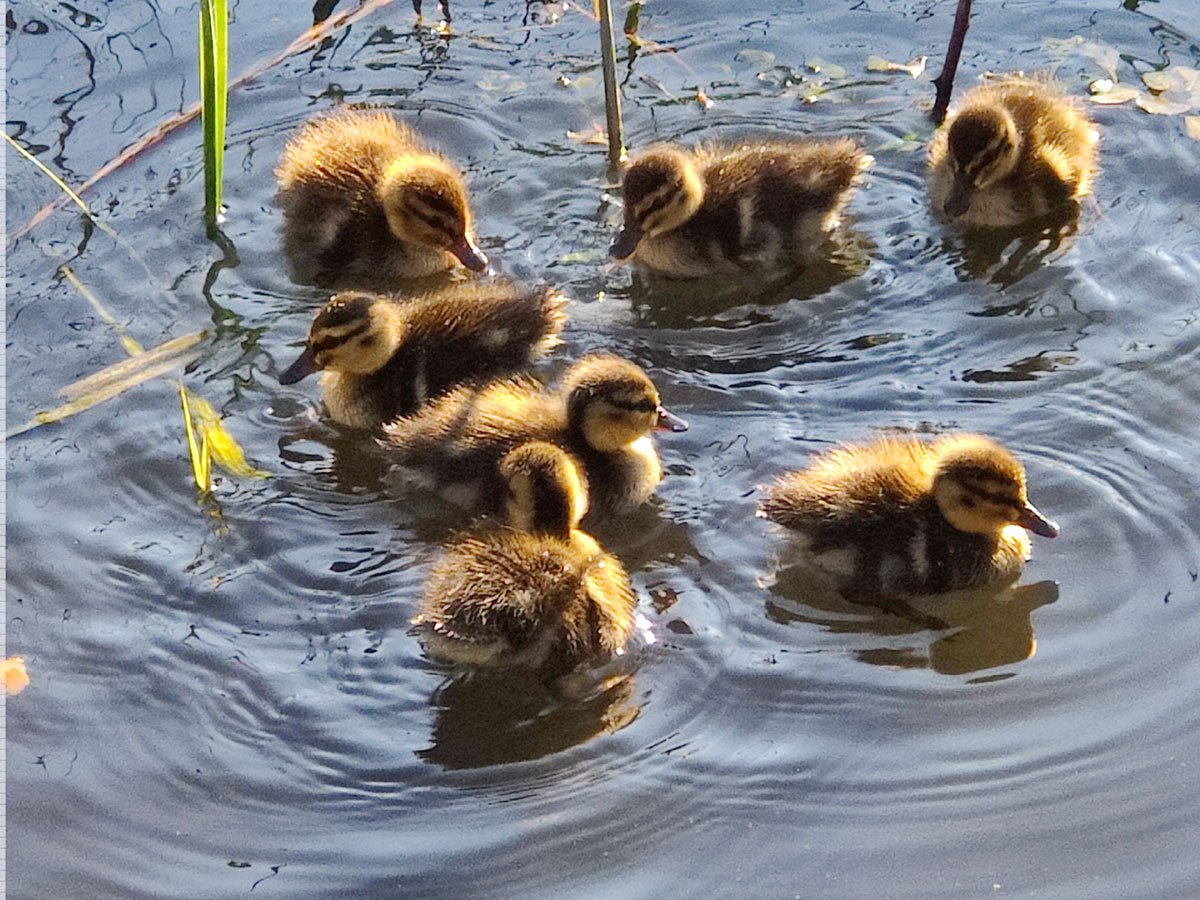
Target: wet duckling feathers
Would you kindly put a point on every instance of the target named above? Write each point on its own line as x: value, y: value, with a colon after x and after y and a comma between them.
x: 536, y: 593
x: 1011, y: 151
x: 365, y: 200
x: 383, y: 356
x: 760, y: 208
x: 903, y: 515
x: 602, y: 412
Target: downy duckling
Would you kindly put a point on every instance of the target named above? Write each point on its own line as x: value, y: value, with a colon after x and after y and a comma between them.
x: 1011, y: 151
x: 383, y: 357
x: 760, y: 209
x: 903, y: 516
x: 364, y: 198
x: 602, y: 412
x: 537, y: 594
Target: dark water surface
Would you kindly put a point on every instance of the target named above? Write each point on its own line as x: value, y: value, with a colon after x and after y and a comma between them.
x: 224, y: 698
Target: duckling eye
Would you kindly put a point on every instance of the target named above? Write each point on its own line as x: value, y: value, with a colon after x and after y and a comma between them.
x: 368, y: 341
x: 968, y: 503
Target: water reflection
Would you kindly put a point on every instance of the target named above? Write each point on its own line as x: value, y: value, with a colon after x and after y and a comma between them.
x: 971, y: 630
x: 673, y: 303
x: 496, y: 718
x: 1005, y: 256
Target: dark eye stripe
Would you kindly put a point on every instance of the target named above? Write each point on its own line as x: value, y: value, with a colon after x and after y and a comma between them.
x: 330, y: 342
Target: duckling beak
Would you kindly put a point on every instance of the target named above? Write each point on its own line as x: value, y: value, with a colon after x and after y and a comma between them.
x: 469, y: 254
x: 626, y: 242
x: 301, y: 368
x: 668, y: 421
x: 1032, y: 520
x: 958, y: 201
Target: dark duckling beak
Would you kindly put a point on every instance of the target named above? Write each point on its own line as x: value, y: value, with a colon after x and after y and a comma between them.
x: 958, y: 201
x: 301, y: 368
x: 626, y: 242
x: 668, y: 421
x: 1034, y: 521
x: 470, y: 255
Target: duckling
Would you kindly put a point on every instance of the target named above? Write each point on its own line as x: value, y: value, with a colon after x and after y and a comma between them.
x: 761, y: 209
x: 903, y: 516
x: 383, y: 357
x: 536, y: 594
x: 364, y: 198
x: 602, y: 412
x: 1012, y: 151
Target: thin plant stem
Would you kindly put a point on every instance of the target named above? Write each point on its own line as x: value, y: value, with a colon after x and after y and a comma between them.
x: 945, y: 81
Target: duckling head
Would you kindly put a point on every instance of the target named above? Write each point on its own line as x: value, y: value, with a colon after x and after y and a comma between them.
x: 613, y: 403
x: 426, y: 203
x: 984, y: 147
x: 355, y: 333
x: 546, y: 492
x: 662, y: 191
x: 980, y: 488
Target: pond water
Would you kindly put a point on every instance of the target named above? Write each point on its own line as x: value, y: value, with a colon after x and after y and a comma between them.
x: 224, y: 697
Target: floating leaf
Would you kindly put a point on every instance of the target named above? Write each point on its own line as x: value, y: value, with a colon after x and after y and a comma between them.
x: 495, y: 82
x: 1192, y: 123
x: 1104, y: 55
x: 1169, y: 104
x: 914, y: 67
x: 1059, y: 49
x: 596, y: 136
x: 140, y: 367
x: 1181, y: 79
x: 16, y: 678
x: 702, y: 99
x: 828, y: 69
x: 225, y: 451
x: 114, y: 380
x: 1106, y: 93
x: 755, y: 59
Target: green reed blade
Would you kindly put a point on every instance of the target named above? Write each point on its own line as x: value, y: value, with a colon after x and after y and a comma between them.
x: 214, y: 93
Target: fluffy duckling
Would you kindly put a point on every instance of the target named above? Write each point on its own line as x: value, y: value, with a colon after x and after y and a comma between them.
x: 761, y: 209
x: 383, y: 357
x: 1012, y: 151
x: 538, y: 594
x: 364, y: 198
x: 903, y: 516
x: 603, y: 413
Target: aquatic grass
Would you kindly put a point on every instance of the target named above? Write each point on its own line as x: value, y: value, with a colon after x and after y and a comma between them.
x: 214, y: 99
x: 62, y: 186
x: 198, y: 452
x: 612, y: 96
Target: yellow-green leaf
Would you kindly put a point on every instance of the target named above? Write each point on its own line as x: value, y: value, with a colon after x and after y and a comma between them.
x: 1192, y: 123
x: 1168, y: 104
x: 224, y: 449
x: 197, y: 452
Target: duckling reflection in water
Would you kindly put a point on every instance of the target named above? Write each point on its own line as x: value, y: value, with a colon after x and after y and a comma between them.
x: 903, y: 516
x: 1011, y: 151
x: 366, y: 201
x: 536, y: 594
x: 383, y: 357
x: 602, y: 413
x: 760, y: 209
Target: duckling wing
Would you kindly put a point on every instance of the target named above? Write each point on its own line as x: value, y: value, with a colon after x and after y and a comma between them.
x: 464, y: 433
x: 475, y: 331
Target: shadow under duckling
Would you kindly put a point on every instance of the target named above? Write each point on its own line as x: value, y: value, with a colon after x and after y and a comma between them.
x: 535, y: 594
x: 757, y: 209
x: 902, y: 516
x: 1011, y: 151
x: 366, y: 202
x: 602, y: 412
x: 383, y: 357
